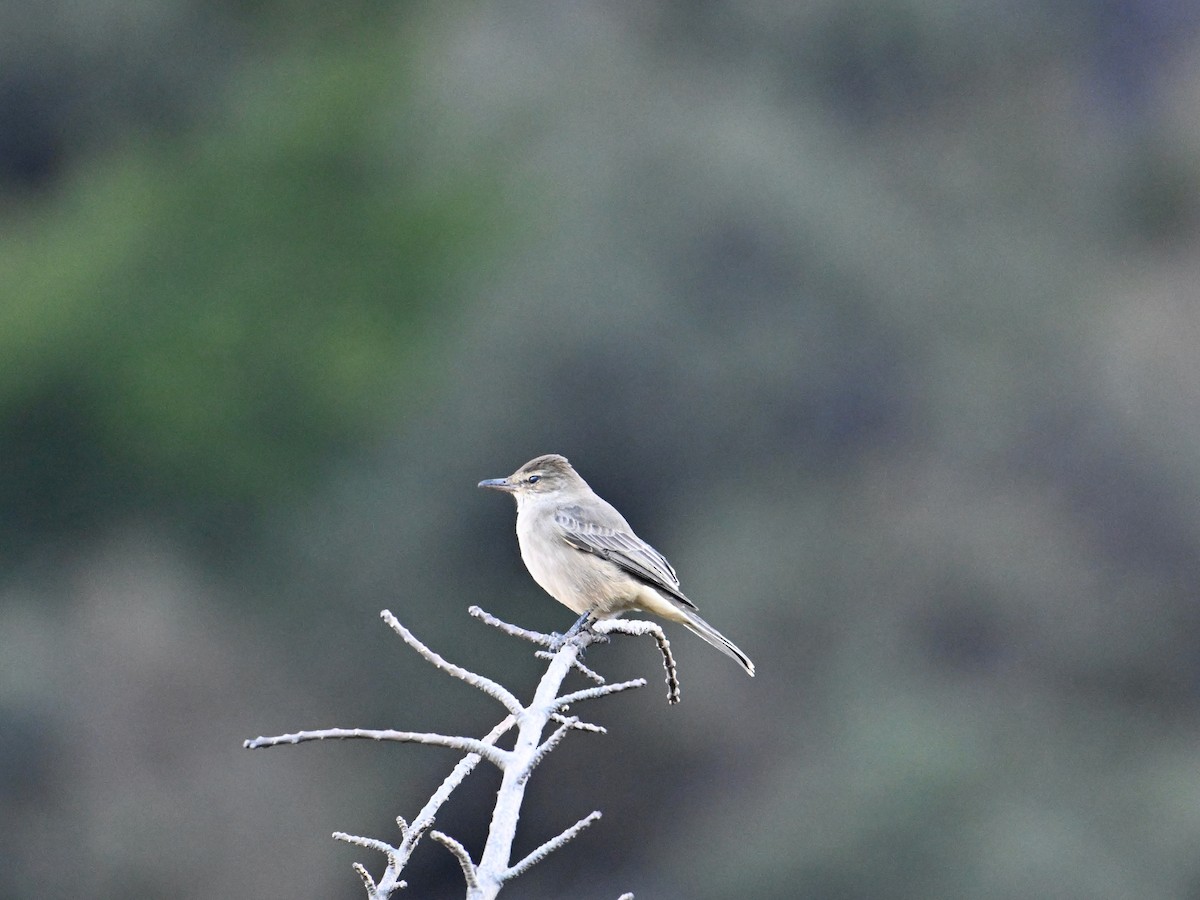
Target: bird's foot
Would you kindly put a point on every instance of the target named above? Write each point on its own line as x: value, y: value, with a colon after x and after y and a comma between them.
x: 583, y: 623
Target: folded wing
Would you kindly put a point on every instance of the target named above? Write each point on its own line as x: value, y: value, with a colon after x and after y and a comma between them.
x: 624, y: 548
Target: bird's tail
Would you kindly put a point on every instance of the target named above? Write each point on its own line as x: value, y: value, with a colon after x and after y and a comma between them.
x: 697, y: 625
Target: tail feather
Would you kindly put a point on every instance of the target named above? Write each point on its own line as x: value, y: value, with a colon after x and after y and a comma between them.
x: 698, y: 626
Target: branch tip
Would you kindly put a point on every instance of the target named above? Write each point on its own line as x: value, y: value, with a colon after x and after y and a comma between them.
x: 463, y: 857
x: 370, y: 843
x: 641, y: 627
x: 493, y: 689
x: 367, y: 880
x: 494, y: 755
x: 587, y: 672
x: 577, y: 724
x: 599, y: 691
x: 550, y: 846
x: 551, y: 742
x: 525, y: 634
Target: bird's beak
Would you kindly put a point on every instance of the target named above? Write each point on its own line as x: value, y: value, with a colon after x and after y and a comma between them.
x: 498, y: 484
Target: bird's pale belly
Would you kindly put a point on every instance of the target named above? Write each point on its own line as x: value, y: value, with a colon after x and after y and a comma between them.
x: 579, y: 581
x: 583, y: 583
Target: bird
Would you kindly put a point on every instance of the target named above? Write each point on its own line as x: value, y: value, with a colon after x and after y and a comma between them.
x: 584, y: 554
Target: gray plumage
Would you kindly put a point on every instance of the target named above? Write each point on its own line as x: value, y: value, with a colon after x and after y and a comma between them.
x: 584, y: 554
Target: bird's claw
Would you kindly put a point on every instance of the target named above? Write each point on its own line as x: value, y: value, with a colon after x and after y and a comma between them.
x: 583, y: 624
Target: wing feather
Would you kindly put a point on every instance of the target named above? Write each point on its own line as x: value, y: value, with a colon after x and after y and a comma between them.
x: 622, y: 547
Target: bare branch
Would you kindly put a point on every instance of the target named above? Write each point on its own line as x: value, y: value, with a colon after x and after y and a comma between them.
x: 588, y: 673
x: 367, y: 880
x: 414, y: 831
x: 577, y: 724
x: 576, y: 664
x: 498, y: 758
x: 637, y: 627
x: 549, y: 744
x: 491, y: 688
x: 534, y: 637
x: 412, y: 837
x: 370, y: 843
x: 599, y: 691
x: 425, y: 817
x: 550, y: 846
x: 485, y: 878
x: 463, y: 857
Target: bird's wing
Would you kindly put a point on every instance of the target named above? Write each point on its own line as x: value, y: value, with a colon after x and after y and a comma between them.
x: 622, y: 547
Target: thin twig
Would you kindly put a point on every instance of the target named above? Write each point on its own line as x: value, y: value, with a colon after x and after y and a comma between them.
x: 534, y: 637
x: 491, y: 688
x: 367, y: 880
x: 370, y: 843
x: 637, y: 627
x: 465, y: 765
x: 497, y: 757
x: 463, y: 857
x: 550, y: 846
x: 599, y: 691
x: 577, y: 724
x: 413, y: 832
x: 577, y: 664
x: 585, y: 671
x: 550, y: 743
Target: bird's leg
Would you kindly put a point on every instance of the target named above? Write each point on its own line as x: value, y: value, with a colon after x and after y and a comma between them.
x: 581, y: 624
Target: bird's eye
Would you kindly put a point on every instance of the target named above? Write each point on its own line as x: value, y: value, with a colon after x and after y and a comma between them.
x: 534, y: 479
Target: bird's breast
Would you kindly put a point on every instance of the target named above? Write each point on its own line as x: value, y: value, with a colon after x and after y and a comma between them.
x: 580, y: 581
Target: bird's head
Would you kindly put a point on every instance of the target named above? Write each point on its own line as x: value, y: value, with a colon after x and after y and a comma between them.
x: 543, y: 476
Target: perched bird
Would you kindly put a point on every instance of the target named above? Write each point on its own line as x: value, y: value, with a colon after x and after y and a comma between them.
x: 584, y: 554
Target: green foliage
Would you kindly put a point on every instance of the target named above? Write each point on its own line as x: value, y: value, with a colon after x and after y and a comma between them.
x: 208, y: 320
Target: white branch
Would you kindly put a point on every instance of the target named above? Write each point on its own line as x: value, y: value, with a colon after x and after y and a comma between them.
x: 489, y: 687
x: 534, y: 637
x: 550, y: 743
x: 526, y: 751
x: 465, y: 765
x: 496, y: 757
x: 414, y: 831
x: 577, y: 724
x: 370, y: 843
x: 367, y: 880
x: 636, y: 628
x: 577, y: 664
x: 588, y: 673
x: 485, y: 878
x: 464, y: 858
x: 550, y: 846
x: 599, y: 691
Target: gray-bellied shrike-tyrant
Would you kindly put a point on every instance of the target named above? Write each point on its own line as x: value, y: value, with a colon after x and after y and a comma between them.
x: 584, y: 554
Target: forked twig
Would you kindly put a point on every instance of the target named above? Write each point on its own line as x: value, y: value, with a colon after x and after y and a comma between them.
x: 485, y: 878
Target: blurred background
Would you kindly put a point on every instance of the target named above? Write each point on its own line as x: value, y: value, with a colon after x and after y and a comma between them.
x: 878, y: 318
